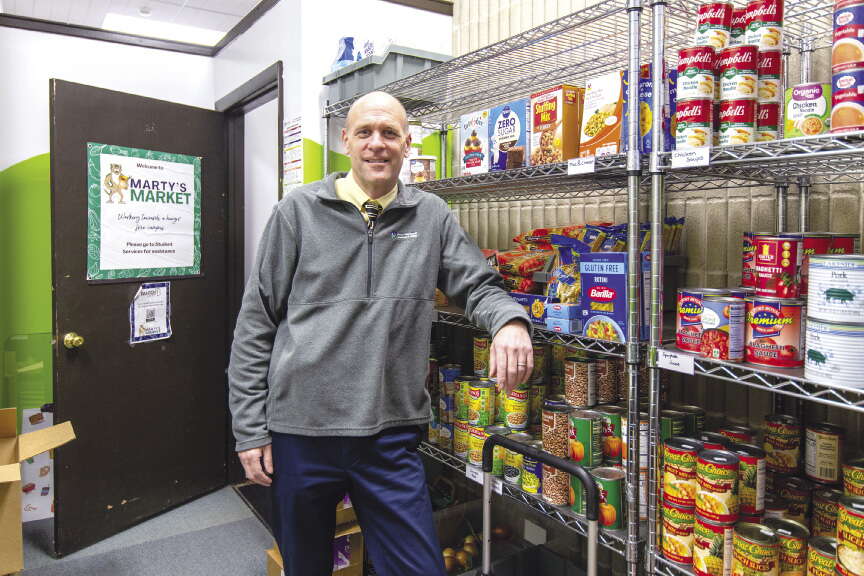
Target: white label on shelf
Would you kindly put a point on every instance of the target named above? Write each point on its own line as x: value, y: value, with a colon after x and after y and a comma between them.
x: 671, y: 360
x: 580, y: 166
x: 475, y: 473
x: 691, y: 157
x: 498, y: 486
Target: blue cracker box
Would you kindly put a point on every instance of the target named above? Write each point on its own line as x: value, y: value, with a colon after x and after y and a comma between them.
x: 563, y: 311
x: 604, y: 296
x: 508, y: 135
x: 534, y: 304
x: 646, y: 95
x: 564, y: 326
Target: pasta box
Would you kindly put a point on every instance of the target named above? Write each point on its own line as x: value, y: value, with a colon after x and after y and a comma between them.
x: 508, y: 135
x: 474, y: 142
x: 604, y: 296
x: 565, y: 311
x: 534, y: 304
x: 564, y: 325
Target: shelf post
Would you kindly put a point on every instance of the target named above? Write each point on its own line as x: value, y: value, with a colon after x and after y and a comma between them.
x: 326, y: 142
x: 806, y: 49
x: 634, y: 13
x: 782, y: 191
x: 445, y: 153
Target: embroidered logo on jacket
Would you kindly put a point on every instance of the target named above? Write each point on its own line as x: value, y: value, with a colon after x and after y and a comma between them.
x: 403, y: 235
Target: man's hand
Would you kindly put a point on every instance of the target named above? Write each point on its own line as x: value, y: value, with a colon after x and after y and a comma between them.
x: 511, y: 356
x: 251, y: 460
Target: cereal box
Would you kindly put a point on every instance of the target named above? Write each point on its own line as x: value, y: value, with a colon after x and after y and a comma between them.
x: 646, y: 119
x: 474, y: 136
x: 602, y: 115
x: 508, y: 135
x: 555, y: 117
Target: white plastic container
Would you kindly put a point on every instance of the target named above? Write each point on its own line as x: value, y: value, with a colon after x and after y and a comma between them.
x: 834, y: 353
x: 836, y: 288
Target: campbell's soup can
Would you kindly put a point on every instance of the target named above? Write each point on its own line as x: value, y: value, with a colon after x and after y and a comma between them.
x: 688, y: 333
x: 714, y: 24
x: 767, y: 121
x: 770, y: 67
x: 847, y: 99
x: 722, y: 328
x: 764, y: 24
x: 778, y: 265
x: 775, y: 332
x: 737, y: 122
x: 739, y: 26
x: 696, y: 72
x: 848, y: 50
x: 738, y: 67
x: 694, y: 123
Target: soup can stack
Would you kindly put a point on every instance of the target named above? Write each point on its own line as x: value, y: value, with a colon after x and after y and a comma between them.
x: 738, y: 69
x: 847, y: 67
x: 770, y: 95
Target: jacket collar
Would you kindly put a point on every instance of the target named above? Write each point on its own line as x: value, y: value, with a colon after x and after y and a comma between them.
x: 406, y: 197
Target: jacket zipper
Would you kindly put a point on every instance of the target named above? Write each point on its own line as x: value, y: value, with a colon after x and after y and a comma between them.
x: 370, y: 233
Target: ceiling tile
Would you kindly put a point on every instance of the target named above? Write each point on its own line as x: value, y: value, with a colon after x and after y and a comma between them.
x: 235, y: 7
x: 94, y: 15
x: 206, y: 19
x: 42, y: 9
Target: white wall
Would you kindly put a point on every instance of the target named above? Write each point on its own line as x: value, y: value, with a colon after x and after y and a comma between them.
x: 261, y: 173
x: 29, y: 59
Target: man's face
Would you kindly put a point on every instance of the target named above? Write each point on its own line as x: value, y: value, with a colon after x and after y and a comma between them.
x: 376, y: 139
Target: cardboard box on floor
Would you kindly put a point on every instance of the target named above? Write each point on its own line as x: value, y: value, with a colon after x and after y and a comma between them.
x: 355, y: 546
x: 14, y: 449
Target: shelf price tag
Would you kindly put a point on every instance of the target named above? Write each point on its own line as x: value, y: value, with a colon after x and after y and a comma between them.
x: 580, y: 166
x: 475, y: 473
x: 691, y: 157
x: 671, y: 360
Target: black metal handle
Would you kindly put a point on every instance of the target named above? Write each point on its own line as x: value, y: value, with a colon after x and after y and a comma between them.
x: 592, y: 494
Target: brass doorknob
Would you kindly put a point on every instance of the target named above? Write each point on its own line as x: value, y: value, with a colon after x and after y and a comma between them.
x: 72, y: 341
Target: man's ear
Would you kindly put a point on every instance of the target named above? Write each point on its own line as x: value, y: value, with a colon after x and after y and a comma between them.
x: 345, y: 140
x: 407, y: 150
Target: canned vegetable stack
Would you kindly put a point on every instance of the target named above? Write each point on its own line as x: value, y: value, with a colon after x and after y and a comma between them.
x: 847, y: 67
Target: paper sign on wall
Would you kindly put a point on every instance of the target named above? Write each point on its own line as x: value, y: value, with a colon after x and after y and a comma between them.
x: 292, y: 154
x: 144, y: 213
x: 150, y: 313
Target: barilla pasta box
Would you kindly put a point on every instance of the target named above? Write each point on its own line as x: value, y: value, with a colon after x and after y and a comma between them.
x: 474, y: 141
x: 566, y: 311
x: 604, y: 296
x: 602, y: 115
x: 555, y: 117
x: 564, y: 325
x: 534, y: 304
x: 508, y: 135
x: 646, y: 116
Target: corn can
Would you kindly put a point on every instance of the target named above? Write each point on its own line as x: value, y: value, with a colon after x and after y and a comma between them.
x: 739, y: 434
x: 751, y: 479
x: 478, y: 436
x: 797, y: 493
x: 793, y: 537
x: 712, y: 547
x: 586, y: 433
x: 677, y: 538
x: 679, y: 471
x: 782, y: 443
x: 481, y: 356
x: 717, y: 490
x: 714, y: 441
x: 850, y: 536
x: 825, y: 504
x: 532, y: 471
x: 755, y: 550
x: 513, y: 460
x: 461, y: 438
x: 610, y: 484
x: 695, y: 422
x: 823, y: 451
x: 462, y: 396
x: 481, y: 405
x: 853, y: 478
x: 515, y: 413
x: 498, y: 451
x: 821, y: 556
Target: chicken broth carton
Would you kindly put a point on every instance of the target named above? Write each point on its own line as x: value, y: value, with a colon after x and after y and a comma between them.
x: 474, y: 139
x: 556, y: 114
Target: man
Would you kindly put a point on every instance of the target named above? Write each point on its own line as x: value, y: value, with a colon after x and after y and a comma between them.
x: 330, y: 351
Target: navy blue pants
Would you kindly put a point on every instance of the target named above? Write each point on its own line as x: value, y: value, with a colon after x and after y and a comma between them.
x: 385, y: 478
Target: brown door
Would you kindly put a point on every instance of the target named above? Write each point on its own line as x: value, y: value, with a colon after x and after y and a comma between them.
x: 150, y: 418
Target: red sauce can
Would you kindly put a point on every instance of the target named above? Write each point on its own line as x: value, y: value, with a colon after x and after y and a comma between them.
x: 773, y: 332
x: 738, y: 67
x: 847, y: 99
x: 688, y: 323
x: 737, y: 122
x: 778, y: 266
x: 714, y: 24
x: 722, y: 328
x: 843, y: 243
x: 768, y: 121
x: 748, y: 258
x: 848, y: 50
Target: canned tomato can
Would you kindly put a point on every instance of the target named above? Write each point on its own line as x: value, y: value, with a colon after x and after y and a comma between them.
x: 612, y: 443
x: 712, y: 547
x: 778, y: 265
x: 713, y: 24
x: 672, y: 423
x: 677, y: 538
x: 580, y: 381
x: 850, y: 536
x: 853, y: 477
x: 793, y: 537
x: 775, y: 506
x: 532, y: 471
x: 774, y: 334
x: 837, y: 293
x: 738, y: 69
x: 513, y: 460
x: 797, y: 494
x: 717, y: 491
x: 821, y: 556
x: 688, y: 332
x: 748, y: 257
x: 847, y: 100
x: 737, y: 122
x: 516, y: 409
x: 445, y: 436
x: 679, y: 471
x: 782, y: 443
x: 586, y: 438
x: 556, y: 486
x: 825, y: 504
x: 770, y: 66
x: 755, y: 550
x: 462, y: 397
x: 767, y: 121
x: 477, y: 438
x: 751, y: 479
x: 556, y: 426
x: 610, y: 482
x: 696, y: 72
x: 739, y: 26
x: 461, y: 438
x: 714, y: 441
x: 834, y: 353
x: 764, y: 24
x: 843, y: 243
x: 695, y: 420
x: 694, y: 123
x: 738, y: 434
x: 481, y: 402
x: 722, y: 328
x: 481, y: 356
x: 643, y: 441
x: 823, y: 452
x: 848, y: 50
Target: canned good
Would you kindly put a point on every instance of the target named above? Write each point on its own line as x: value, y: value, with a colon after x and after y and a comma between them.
x: 755, y: 550
x: 532, y: 471
x: 843, y: 243
x: 643, y: 442
x: 516, y: 409
x: 556, y: 426
x: 796, y: 492
x: 461, y: 438
x: 768, y: 121
x: 498, y: 451
x: 688, y: 333
x: 834, y: 353
x: 821, y: 556
x: 607, y: 380
x: 481, y: 356
x: 850, y: 536
x: 793, y: 538
x: 739, y: 26
x: 536, y: 394
x: 556, y: 486
x: 610, y: 484
x: 738, y: 67
x: 722, y: 328
x: 770, y: 67
x: 823, y: 452
x: 677, y: 537
x: 743, y: 292
x: 696, y: 72
x: 813, y: 244
x: 433, y: 430
x: 774, y: 335
x: 679, y: 471
x: 713, y: 24
x: 782, y: 443
x: 778, y: 265
x: 449, y: 373
x: 717, y: 491
x: 693, y: 123
x: 445, y: 436
x: 848, y: 50
x: 764, y: 24
x: 672, y: 423
x: 695, y: 422
x: 837, y: 281
x: 853, y: 477
x: 447, y: 406
x: 737, y: 122
x: 825, y: 504
x: 808, y: 110
x: 748, y: 257
x: 477, y: 438
x: 712, y: 547
x: 432, y: 376
x: 751, y: 479
x: 714, y: 441
x: 847, y: 101
x: 513, y: 460
x: 462, y: 397
x: 612, y: 444
x: 586, y: 433
x: 580, y: 381
x: 739, y: 434
x: 481, y: 402
x: 775, y: 506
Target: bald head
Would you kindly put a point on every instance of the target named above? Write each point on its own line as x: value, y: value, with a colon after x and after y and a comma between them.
x: 377, y: 101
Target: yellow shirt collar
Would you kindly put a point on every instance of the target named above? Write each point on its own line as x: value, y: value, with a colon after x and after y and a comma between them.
x: 349, y: 190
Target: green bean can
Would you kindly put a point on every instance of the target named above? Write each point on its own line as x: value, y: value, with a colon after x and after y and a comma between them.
x: 532, y: 471
x: 498, y: 452
x: 513, y: 460
x: 586, y: 445
x: 612, y: 442
x: 672, y: 423
x: 610, y: 482
x: 481, y: 403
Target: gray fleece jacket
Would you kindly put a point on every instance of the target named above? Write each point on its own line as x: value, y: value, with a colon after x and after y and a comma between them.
x: 333, y: 333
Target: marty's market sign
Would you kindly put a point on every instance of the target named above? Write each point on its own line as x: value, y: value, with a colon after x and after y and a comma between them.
x: 144, y: 215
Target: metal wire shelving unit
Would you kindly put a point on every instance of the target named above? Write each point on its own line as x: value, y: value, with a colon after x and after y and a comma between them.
x: 668, y: 568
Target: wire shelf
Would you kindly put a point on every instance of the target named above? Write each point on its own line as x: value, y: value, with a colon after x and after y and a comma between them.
x: 615, y: 540
x: 666, y: 567
x: 786, y: 381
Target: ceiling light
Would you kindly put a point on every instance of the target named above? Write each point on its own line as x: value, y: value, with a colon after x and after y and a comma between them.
x: 144, y: 11
x: 164, y: 30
